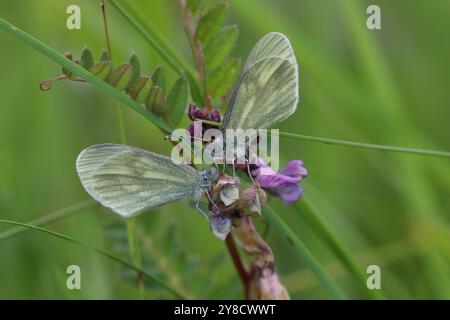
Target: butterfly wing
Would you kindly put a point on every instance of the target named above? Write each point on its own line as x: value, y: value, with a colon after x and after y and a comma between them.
x: 267, y: 90
x: 129, y: 180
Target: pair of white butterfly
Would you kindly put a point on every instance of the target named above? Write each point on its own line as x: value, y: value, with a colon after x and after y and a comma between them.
x: 130, y: 180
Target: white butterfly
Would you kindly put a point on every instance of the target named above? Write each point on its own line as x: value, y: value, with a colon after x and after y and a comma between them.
x: 267, y: 89
x: 130, y: 180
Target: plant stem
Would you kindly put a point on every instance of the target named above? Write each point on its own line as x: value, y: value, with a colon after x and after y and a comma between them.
x: 237, y: 261
x: 197, y: 52
x: 152, y: 37
x: 354, y: 144
x: 133, y: 241
x: 135, y: 252
x: 363, y: 145
x: 105, y: 26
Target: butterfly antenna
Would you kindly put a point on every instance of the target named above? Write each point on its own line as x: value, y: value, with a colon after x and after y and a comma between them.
x: 248, y: 170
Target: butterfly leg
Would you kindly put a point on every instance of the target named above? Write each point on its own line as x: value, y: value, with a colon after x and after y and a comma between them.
x: 248, y: 170
x: 203, y: 213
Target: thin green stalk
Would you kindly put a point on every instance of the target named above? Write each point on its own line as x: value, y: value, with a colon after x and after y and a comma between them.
x: 135, y: 252
x: 302, y: 251
x: 156, y: 280
x: 363, y: 145
x: 83, y: 73
x: 49, y: 218
x: 355, y: 144
x: 310, y: 214
x: 133, y: 241
x: 123, y: 138
x: 135, y: 17
x: 143, y: 26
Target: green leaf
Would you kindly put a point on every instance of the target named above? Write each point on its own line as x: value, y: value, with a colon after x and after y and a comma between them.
x: 105, y: 56
x: 120, y: 77
x: 195, y: 90
x: 156, y: 101
x: 220, y: 47
x: 211, y: 22
x: 87, y: 60
x: 222, y: 78
x: 194, y: 6
x: 139, y: 89
x: 177, y: 101
x: 100, y: 69
x: 158, y: 77
x: 134, y: 62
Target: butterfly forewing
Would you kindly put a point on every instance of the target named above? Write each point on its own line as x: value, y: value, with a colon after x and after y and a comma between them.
x: 267, y: 89
x: 129, y: 180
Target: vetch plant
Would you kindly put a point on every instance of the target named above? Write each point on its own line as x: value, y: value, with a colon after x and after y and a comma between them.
x: 130, y: 180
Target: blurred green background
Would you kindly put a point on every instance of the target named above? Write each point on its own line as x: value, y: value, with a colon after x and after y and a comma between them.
x: 387, y: 86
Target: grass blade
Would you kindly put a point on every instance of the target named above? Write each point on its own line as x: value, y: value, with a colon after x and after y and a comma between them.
x: 302, y: 251
x: 49, y: 218
x: 315, y: 222
x: 80, y: 71
x: 157, y: 281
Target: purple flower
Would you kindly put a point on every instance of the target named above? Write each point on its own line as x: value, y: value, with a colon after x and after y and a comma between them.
x: 193, y: 128
x: 284, y: 183
x: 220, y: 226
x: 196, y: 114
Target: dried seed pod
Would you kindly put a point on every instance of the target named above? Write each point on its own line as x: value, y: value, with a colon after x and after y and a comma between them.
x: 251, y: 200
x: 45, y: 85
x: 225, y: 192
